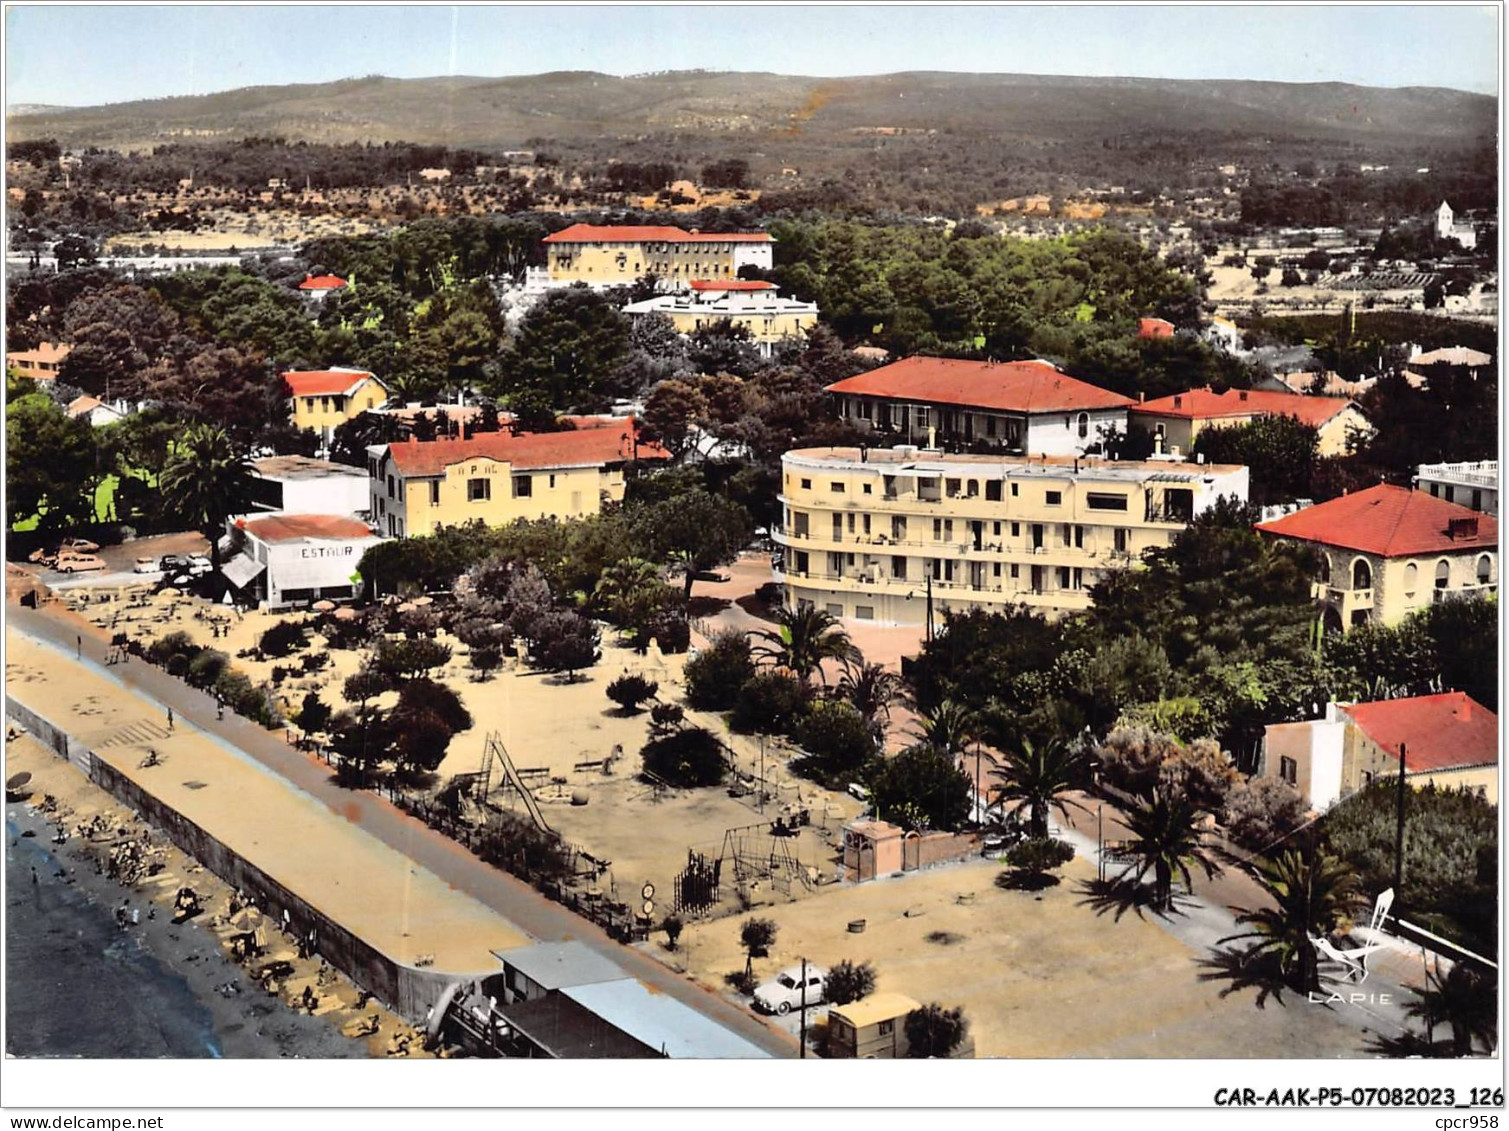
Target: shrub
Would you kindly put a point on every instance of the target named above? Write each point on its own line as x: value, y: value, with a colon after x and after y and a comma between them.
x: 421, y: 740
x: 160, y: 651
x: 1261, y: 810
x: 314, y: 661
x: 408, y: 659
x: 715, y: 675
x: 671, y: 631
x: 848, y: 982
x: 769, y: 703
x: 672, y: 926
x: 514, y: 843
x: 934, y: 1031
x: 205, y: 668
x: 178, y: 665
x: 688, y: 759
x: 282, y: 639
x: 838, y: 739
x: 486, y: 658
x: 757, y: 936
x: 563, y: 641
x: 1031, y: 861
x: 629, y: 691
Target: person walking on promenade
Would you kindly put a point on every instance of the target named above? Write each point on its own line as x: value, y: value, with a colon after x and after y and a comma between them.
x: 81, y: 647
x: 170, y: 718
x: 219, y: 707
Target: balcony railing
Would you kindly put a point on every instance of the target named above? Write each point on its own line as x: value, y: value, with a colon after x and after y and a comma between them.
x: 1462, y: 593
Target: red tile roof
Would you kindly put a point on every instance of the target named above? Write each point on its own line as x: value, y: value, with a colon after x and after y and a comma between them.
x: 1154, y: 328
x: 325, y: 382
x: 731, y: 285
x: 292, y: 527
x: 1439, y: 732
x: 592, y: 444
x: 322, y: 283
x: 1390, y: 521
x: 1202, y: 404
x: 643, y: 233
x: 1013, y: 386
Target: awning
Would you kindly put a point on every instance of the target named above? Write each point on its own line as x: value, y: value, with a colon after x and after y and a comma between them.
x: 240, y: 570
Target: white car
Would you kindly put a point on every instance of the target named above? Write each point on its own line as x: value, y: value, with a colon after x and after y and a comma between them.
x: 784, y: 993
x: 199, y: 564
x: 145, y: 565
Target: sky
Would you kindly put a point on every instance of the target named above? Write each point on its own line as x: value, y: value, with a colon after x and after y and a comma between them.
x: 88, y: 55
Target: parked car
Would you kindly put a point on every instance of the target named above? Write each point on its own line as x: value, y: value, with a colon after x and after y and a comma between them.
x: 78, y: 546
x: 199, y: 564
x: 172, y: 563
x: 145, y: 565
x: 784, y: 992
x: 858, y: 792
x: 80, y: 563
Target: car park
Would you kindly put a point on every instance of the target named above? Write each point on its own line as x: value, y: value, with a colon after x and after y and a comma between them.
x: 786, y: 992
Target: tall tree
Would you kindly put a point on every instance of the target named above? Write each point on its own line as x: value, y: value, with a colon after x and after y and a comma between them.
x: 803, y: 639
x: 1036, y: 777
x: 206, y: 479
x: 1311, y: 893
x: 1167, y: 837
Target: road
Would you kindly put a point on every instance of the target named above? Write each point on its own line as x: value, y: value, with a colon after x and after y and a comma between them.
x: 516, y: 901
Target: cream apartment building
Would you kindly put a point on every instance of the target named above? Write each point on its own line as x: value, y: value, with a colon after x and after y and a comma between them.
x: 866, y: 533
x: 617, y: 255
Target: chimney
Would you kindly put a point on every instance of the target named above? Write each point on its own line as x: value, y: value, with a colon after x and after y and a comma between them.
x: 1178, y: 401
x: 1142, y: 396
x: 1242, y: 395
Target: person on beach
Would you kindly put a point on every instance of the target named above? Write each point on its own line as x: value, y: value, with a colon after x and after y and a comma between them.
x: 170, y: 718
x: 219, y: 707
x: 33, y: 875
x: 81, y: 647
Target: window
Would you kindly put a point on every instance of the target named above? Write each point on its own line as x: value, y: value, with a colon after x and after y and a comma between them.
x: 864, y: 612
x: 478, y: 490
x: 951, y: 487
x: 1084, y: 425
x: 993, y: 491
x: 1063, y: 577
x: 1016, y: 529
x: 869, y: 488
x: 1443, y: 573
x: 391, y: 491
x: 898, y: 529
x: 886, y: 1028
x: 867, y: 525
x: 1120, y: 543
x: 523, y: 486
x: 838, y: 527
x: 434, y: 492
x: 1016, y: 571
x: 1101, y: 501
x: 1362, y: 575
x: 1079, y: 537
x: 552, y: 482
x: 937, y: 530
x: 1325, y: 568
x: 1485, y: 569
x: 898, y: 568
x: 1054, y: 498
x: 1288, y: 769
x: 1014, y: 490
x: 806, y: 484
x: 836, y: 487
x: 1411, y: 577
x: 851, y: 523
x: 799, y: 524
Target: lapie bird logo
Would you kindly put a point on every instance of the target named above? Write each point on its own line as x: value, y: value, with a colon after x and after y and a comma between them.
x: 1354, y: 960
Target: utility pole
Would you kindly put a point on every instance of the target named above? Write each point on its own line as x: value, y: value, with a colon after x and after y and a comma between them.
x: 804, y: 1010
x: 929, y: 604
x: 1399, y: 831
x: 762, y: 774
x: 1100, y: 841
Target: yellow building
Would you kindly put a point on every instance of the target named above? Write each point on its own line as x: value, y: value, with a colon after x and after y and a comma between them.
x: 40, y: 364
x: 1449, y: 740
x: 618, y: 255
x: 498, y: 477
x: 1387, y: 552
x: 868, y: 532
x: 754, y: 305
x: 1177, y: 421
x: 321, y: 400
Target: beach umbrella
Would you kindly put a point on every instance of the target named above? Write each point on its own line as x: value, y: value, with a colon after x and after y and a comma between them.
x: 169, y: 592
x: 346, y: 614
x: 324, y: 606
x: 424, y: 601
x: 16, y: 781
x: 406, y: 607
x: 249, y: 919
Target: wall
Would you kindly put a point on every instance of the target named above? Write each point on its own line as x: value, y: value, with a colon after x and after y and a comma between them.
x: 405, y: 989
x: 572, y: 492
x: 1057, y: 434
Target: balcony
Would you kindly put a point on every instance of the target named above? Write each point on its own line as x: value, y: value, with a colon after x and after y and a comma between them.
x: 1461, y: 593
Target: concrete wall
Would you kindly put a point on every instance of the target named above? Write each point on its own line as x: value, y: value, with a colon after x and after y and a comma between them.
x: 49, y: 735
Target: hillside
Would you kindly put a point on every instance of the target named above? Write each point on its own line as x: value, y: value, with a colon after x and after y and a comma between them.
x: 489, y: 112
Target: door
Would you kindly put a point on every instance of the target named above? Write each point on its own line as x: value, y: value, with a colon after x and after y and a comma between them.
x: 911, y: 852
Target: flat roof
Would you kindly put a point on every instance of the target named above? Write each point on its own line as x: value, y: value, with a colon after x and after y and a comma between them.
x: 567, y: 1031
x: 555, y: 965
x: 939, y: 463
x: 662, y: 1022
x: 303, y: 467
x: 875, y: 1008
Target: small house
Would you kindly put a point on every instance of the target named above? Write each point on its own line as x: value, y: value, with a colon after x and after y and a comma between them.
x: 872, y: 1028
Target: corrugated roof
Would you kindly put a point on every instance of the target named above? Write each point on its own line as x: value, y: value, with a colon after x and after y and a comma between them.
x: 662, y: 1022
x: 304, y: 467
x: 292, y: 527
x: 875, y: 1008
x: 644, y: 233
x: 1439, y: 732
x: 1202, y: 404
x: 1012, y: 386
x: 322, y: 283
x: 566, y: 1031
x: 555, y: 965
x: 731, y: 285
x: 1390, y: 521
x: 607, y: 442
x: 326, y: 382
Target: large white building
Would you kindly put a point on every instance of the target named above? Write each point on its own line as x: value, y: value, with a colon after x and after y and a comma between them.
x: 1474, y: 485
x: 1448, y: 229
x: 869, y: 534
x: 281, y: 560
x: 301, y: 485
x: 755, y: 306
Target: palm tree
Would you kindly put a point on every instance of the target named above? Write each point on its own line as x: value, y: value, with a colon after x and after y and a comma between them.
x: 950, y: 726
x: 1036, y: 778
x: 207, y: 478
x: 870, y: 689
x: 624, y: 589
x: 1167, y: 838
x: 1464, y: 999
x: 804, y: 640
x: 1311, y: 895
